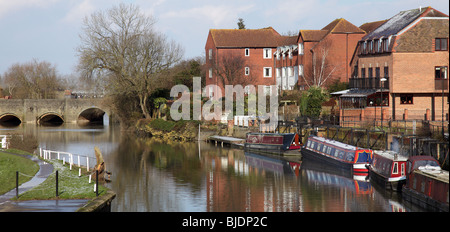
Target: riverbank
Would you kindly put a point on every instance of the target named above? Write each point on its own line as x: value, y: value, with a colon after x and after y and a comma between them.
x: 70, y: 186
x: 185, y: 131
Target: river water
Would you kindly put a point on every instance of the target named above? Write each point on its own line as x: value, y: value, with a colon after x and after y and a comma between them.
x: 150, y: 175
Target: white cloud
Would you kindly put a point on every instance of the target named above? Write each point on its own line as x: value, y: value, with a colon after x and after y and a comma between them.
x: 10, y: 6
x: 79, y: 10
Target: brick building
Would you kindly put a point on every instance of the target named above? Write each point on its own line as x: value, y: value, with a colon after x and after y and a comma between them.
x: 324, y: 55
x: 264, y: 57
x: 400, y: 70
x: 240, y: 57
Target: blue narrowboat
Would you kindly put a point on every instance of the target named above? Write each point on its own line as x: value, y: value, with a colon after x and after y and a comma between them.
x: 338, y: 154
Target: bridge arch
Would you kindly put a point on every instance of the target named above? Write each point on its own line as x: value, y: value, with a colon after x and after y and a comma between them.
x: 10, y: 120
x: 91, y: 115
x: 50, y: 119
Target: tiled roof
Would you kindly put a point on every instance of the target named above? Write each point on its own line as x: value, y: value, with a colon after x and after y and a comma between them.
x: 400, y: 21
x: 342, y: 26
x: 313, y: 35
x: 336, y: 26
x: 266, y: 37
x: 369, y: 27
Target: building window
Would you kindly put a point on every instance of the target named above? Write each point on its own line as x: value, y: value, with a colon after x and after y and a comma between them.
x: 290, y: 71
x: 440, y: 72
x: 406, y: 99
x: 210, y: 54
x: 247, y: 52
x: 247, y: 71
x: 267, y: 89
x: 210, y: 73
x: 386, y: 71
x: 300, y: 48
x: 441, y: 44
x: 377, y: 72
x: 211, y: 92
x: 267, y: 72
x: 385, y: 45
x: 300, y: 70
x: 267, y: 53
x: 370, y: 74
x: 363, y: 72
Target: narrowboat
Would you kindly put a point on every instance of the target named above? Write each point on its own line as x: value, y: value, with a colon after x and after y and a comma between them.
x: 388, y: 168
x: 338, y: 154
x: 426, y: 183
x: 272, y: 141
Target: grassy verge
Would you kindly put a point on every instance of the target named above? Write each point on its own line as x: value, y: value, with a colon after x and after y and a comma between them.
x: 70, y: 185
x: 9, y: 164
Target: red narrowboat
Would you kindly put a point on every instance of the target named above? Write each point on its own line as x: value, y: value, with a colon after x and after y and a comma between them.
x: 338, y: 154
x: 272, y: 141
x: 388, y: 168
x: 426, y: 183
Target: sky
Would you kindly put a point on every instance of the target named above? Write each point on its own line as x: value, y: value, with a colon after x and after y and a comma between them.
x: 48, y: 30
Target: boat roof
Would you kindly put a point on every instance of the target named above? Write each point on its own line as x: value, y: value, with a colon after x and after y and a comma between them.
x: 434, y: 172
x: 421, y: 157
x: 393, y: 155
x: 335, y: 143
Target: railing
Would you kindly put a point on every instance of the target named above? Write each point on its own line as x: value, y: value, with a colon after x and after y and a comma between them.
x: 68, y: 157
x: 369, y: 83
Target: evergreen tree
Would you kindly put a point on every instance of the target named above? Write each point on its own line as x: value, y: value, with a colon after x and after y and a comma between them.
x: 241, y: 24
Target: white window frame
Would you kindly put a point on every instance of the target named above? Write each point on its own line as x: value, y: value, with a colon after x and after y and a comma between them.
x: 247, y: 71
x: 267, y: 89
x: 270, y: 72
x: 247, y: 52
x: 210, y: 53
x: 267, y: 53
x: 210, y: 73
x: 300, y: 48
x: 211, y: 92
x: 300, y: 70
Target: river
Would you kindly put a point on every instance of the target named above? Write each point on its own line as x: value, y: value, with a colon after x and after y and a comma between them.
x: 150, y: 175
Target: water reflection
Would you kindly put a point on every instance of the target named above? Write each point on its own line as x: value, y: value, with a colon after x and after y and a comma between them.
x: 155, y: 175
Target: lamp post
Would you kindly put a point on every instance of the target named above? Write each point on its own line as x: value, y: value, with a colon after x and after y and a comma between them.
x: 382, y: 80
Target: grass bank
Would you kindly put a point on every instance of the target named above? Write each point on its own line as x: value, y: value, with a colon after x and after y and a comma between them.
x: 70, y: 185
x: 9, y: 164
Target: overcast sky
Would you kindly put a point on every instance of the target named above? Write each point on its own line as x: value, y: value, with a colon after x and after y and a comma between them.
x: 48, y: 30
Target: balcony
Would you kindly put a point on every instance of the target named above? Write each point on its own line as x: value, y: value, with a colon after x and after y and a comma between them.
x: 369, y: 83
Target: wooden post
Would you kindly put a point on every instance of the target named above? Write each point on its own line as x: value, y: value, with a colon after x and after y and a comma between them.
x: 57, y: 183
x: 17, y: 184
x: 96, y: 183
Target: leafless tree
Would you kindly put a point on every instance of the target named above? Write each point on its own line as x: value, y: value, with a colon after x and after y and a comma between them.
x: 121, y: 46
x: 230, y: 70
x: 322, y: 69
x: 32, y: 80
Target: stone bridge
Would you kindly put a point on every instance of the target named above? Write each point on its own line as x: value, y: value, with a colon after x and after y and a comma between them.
x: 52, y: 111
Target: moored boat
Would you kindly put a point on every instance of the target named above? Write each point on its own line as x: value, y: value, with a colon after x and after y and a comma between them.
x: 426, y: 183
x: 338, y: 154
x: 272, y: 141
x: 388, y: 168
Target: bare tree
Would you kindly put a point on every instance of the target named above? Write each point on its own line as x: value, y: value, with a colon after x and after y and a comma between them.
x: 32, y: 80
x: 322, y: 69
x: 230, y: 70
x: 122, y: 46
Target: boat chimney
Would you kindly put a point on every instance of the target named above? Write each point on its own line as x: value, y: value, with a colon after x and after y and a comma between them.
x: 395, y: 156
